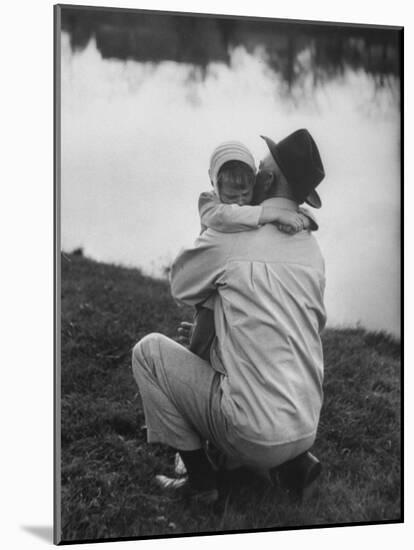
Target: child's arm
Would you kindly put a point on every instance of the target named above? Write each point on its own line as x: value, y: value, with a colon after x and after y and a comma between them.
x: 227, y: 218
x: 289, y: 221
x: 232, y: 218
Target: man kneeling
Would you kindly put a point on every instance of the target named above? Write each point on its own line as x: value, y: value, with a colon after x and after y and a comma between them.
x: 259, y: 400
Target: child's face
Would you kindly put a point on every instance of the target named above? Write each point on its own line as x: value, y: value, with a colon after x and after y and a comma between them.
x: 240, y: 193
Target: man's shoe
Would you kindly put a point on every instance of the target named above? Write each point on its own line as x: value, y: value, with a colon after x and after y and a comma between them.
x: 219, y: 461
x: 297, y: 475
x: 181, y: 487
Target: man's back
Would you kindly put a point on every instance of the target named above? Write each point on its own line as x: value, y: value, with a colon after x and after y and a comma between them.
x: 268, y: 316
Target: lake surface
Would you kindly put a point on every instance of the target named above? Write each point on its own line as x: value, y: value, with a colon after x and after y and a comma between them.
x: 136, y: 141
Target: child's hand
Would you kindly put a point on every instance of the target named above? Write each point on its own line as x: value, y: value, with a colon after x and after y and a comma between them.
x: 286, y: 229
x: 185, y: 331
x: 305, y: 220
x: 290, y: 222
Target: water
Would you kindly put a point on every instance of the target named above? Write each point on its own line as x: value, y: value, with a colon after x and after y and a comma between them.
x: 136, y: 139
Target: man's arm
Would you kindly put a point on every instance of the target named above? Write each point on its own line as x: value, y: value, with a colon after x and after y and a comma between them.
x: 196, y: 272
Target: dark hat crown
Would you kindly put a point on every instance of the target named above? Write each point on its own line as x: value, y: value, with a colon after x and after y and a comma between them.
x: 298, y: 157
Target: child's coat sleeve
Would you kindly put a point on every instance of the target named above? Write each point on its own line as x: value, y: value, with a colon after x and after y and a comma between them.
x: 226, y: 218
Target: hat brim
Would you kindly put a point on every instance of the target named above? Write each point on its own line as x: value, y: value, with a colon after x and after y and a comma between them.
x: 313, y: 199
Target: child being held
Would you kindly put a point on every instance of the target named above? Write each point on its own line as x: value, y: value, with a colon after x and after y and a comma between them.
x: 228, y: 209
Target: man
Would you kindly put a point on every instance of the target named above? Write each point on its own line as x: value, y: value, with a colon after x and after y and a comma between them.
x: 260, y: 402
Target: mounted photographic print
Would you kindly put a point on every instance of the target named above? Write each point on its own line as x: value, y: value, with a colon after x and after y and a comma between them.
x: 228, y: 274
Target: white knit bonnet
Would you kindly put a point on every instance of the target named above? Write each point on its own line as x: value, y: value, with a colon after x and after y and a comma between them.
x: 226, y: 152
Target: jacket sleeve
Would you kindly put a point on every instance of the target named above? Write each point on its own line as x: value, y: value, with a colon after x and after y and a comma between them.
x: 227, y: 218
x: 196, y: 272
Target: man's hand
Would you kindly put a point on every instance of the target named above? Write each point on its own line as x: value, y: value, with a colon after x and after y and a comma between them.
x: 290, y: 222
x: 185, y: 331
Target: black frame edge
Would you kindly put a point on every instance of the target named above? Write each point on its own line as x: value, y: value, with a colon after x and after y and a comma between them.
x: 56, y: 266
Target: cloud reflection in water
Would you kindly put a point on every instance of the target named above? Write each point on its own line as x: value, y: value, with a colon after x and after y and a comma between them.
x: 136, y: 139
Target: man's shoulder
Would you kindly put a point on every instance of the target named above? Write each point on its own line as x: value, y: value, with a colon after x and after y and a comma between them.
x: 216, y: 244
x: 269, y: 244
x: 218, y: 237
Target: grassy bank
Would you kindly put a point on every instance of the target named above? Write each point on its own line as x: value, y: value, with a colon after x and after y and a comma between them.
x: 108, y: 469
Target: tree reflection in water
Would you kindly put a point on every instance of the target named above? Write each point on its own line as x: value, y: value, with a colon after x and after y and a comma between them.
x: 296, y: 51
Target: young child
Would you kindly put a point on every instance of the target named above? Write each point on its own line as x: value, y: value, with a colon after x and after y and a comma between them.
x: 228, y: 209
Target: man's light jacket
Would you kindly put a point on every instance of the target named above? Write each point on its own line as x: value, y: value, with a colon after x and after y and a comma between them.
x: 269, y: 313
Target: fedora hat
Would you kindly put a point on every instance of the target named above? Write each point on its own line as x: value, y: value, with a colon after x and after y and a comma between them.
x: 299, y: 160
